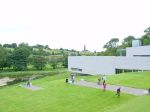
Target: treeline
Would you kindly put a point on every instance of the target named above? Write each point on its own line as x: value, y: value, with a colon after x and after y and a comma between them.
x: 112, y: 48
x: 25, y: 57
x: 14, y: 45
x: 22, y: 57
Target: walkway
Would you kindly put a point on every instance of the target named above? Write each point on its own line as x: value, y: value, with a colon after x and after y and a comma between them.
x: 33, y: 88
x: 124, y: 89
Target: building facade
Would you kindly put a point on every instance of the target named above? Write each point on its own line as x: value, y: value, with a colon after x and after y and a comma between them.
x: 136, y: 59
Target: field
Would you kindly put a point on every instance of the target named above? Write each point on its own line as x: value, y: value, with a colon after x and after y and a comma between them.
x: 57, y: 96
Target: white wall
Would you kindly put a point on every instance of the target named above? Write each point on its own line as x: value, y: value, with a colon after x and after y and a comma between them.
x: 92, y: 64
x: 106, y: 64
x: 141, y: 50
x: 137, y: 63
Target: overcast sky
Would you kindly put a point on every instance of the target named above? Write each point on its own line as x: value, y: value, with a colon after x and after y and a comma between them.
x: 72, y: 24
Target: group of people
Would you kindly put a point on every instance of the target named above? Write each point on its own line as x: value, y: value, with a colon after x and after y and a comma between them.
x: 100, y: 79
x: 104, y: 82
x: 103, y: 79
x: 72, y: 78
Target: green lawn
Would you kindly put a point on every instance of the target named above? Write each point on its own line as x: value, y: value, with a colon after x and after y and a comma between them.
x: 58, y: 96
x: 135, y: 79
x: 139, y: 104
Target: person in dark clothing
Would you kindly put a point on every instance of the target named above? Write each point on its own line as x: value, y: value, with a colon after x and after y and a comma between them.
x: 149, y: 91
x: 28, y: 84
x: 104, y: 85
x: 104, y: 82
x: 118, y: 92
x: 67, y: 80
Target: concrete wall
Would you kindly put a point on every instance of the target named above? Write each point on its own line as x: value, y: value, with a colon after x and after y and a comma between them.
x: 141, y: 50
x: 106, y: 64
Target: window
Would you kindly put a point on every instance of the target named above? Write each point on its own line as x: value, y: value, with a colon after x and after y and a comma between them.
x: 76, y: 69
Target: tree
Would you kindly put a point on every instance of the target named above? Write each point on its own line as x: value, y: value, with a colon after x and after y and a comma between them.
x: 112, y: 43
x: 9, y: 59
x: 127, y: 42
x: 20, y: 56
x: 65, y: 60
x: 111, y: 47
x: 39, y: 46
x: 47, y: 47
x: 25, y: 45
x: 3, y: 54
x: 38, y: 62
x: 147, y: 31
x: 14, y: 45
x: 6, y: 58
x: 7, y: 45
x: 146, y: 37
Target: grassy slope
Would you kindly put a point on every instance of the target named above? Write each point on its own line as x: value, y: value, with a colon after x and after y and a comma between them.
x: 136, y: 79
x: 140, y: 104
x: 59, y: 97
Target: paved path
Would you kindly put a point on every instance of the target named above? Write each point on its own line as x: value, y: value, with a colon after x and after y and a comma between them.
x: 33, y: 88
x: 124, y: 89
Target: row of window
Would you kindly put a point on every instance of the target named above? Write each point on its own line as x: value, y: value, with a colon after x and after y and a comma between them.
x: 76, y: 69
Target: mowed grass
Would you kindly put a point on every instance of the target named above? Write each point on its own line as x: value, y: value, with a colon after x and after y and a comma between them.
x: 139, y: 104
x: 58, y: 96
x: 134, y: 79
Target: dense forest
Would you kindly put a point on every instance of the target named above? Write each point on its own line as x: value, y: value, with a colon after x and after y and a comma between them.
x: 40, y: 57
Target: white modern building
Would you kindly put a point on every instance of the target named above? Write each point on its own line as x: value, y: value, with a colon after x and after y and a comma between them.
x: 136, y: 59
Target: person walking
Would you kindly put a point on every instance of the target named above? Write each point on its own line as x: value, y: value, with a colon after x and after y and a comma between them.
x: 118, y: 92
x: 104, y: 85
x: 28, y: 83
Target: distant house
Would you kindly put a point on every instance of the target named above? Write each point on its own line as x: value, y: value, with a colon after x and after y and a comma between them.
x: 137, y: 59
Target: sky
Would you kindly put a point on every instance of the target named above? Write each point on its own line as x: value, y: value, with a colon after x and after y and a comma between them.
x: 71, y: 24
